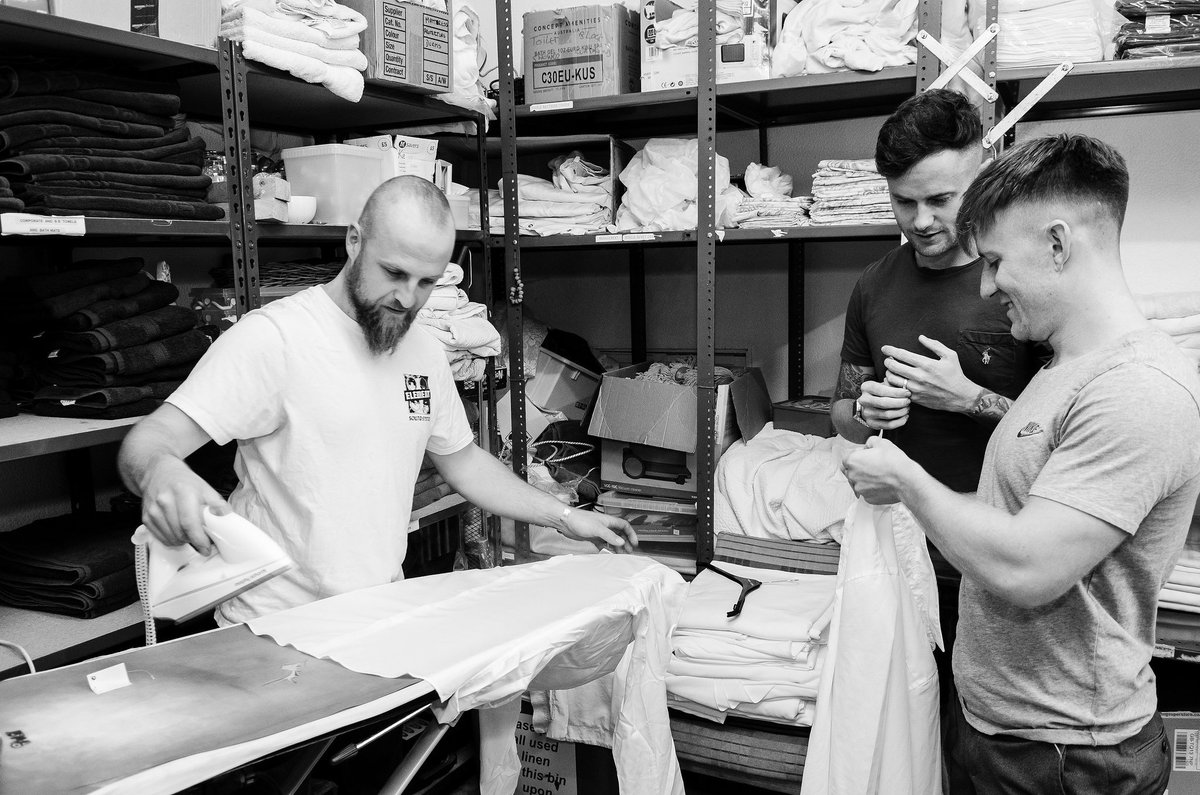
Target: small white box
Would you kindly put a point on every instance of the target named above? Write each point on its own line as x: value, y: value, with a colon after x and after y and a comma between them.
x: 341, y: 176
x: 562, y: 385
x: 193, y: 22
x: 405, y: 154
x: 109, y: 13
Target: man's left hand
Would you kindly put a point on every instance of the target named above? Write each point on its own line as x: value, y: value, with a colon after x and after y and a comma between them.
x: 877, y: 472
x: 935, y: 383
x: 612, y: 531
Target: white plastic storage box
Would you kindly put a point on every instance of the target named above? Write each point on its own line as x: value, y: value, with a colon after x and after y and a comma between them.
x: 341, y: 176
x: 562, y: 385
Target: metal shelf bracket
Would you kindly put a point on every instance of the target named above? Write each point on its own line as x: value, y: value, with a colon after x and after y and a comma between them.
x: 956, y: 67
x: 1016, y: 114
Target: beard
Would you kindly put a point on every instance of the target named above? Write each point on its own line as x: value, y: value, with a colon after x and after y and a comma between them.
x: 382, y: 328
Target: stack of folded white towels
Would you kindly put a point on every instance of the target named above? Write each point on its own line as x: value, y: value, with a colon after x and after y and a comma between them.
x: 1040, y: 32
x: 770, y: 203
x: 576, y: 200
x: 460, y: 325
x: 315, y: 40
x: 763, y: 664
x: 850, y: 192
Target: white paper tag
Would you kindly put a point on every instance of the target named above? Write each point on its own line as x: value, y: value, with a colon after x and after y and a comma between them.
x: 608, y: 238
x: 721, y: 235
x: 1158, y: 23
x: 567, y: 105
x: 637, y: 237
x: 106, y: 679
x: 30, y: 224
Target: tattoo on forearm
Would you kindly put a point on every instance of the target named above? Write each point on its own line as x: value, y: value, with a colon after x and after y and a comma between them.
x: 850, y: 380
x: 989, y: 406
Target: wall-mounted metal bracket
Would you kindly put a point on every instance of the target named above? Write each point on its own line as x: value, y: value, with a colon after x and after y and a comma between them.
x: 956, y: 67
x: 1023, y: 107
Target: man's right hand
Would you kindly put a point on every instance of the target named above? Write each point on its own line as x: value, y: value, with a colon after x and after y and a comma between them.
x: 173, y: 502
x: 884, y: 406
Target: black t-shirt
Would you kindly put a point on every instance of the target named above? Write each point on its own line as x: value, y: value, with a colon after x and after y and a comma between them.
x: 893, y: 302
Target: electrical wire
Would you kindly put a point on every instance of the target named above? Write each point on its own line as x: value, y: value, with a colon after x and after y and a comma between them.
x: 21, y: 649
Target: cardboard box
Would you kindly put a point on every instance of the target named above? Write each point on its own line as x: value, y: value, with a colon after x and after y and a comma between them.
x: 406, y: 44
x: 574, y: 53
x: 1183, y: 741
x: 562, y: 385
x: 403, y: 154
x: 649, y: 429
x: 745, y: 57
x: 809, y: 414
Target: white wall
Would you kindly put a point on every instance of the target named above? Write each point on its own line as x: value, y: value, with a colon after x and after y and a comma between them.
x: 587, y: 292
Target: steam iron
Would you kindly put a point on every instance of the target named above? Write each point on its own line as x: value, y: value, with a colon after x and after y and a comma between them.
x: 183, y: 583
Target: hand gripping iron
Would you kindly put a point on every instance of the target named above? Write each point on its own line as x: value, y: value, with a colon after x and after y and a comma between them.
x: 183, y: 583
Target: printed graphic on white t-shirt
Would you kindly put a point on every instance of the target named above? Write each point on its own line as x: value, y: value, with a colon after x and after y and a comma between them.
x: 417, y: 396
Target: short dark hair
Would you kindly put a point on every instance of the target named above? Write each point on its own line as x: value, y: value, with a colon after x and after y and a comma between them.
x: 1072, y: 167
x: 416, y: 194
x: 931, y: 122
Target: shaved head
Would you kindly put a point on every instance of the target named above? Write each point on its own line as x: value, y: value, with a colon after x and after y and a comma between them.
x: 409, y: 203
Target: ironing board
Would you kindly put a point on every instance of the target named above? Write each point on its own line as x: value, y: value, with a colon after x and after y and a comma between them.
x: 208, y: 709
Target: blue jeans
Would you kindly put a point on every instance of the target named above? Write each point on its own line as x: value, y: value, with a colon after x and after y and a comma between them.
x: 1005, y: 765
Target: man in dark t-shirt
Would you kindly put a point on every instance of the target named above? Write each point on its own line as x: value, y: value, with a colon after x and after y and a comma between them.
x: 925, y: 358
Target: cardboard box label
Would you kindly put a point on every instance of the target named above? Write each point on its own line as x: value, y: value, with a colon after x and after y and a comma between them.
x: 584, y: 70
x: 1187, y: 750
x: 547, y: 766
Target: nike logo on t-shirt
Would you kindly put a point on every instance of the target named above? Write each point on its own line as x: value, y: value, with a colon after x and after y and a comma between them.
x: 1031, y: 429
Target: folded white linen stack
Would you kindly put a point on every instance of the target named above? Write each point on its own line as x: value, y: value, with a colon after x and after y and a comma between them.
x: 577, y: 200
x: 1176, y: 314
x: 315, y: 40
x: 764, y: 663
x: 850, y: 192
x: 461, y: 326
x: 770, y: 203
x: 1182, y: 590
x: 1039, y: 32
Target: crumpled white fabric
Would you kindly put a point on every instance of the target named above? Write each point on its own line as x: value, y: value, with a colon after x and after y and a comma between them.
x: 820, y: 36
x: 767, y: 182
x: 660, y: 188
x: 482, y: 637
x: 464, y: 329
x: 468, y: 89
x: 876, y: 726
x: 783, y: 484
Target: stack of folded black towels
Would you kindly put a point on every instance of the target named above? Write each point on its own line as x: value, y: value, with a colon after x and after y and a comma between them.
x: 80, y: 564
x: 82, y: 141
x: 100, y: 339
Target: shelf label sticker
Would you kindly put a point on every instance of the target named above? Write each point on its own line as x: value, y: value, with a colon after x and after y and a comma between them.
x: 779, y: 233
x: 1158, y: 23
x: 721, y: 235
x: 30, y: 224
x: 1163, y: 650
x: 543, y: 106
x: 609, y: 238
x: 638, y: 237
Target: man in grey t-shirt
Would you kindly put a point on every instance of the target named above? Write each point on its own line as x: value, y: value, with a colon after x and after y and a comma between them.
x: 1087, y: 490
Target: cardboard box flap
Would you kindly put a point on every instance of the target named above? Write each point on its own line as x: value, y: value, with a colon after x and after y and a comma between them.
x: 664, y: 415
x: 751, y: 402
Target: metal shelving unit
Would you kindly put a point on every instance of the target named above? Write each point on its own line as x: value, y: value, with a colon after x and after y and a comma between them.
x: 214, y: 84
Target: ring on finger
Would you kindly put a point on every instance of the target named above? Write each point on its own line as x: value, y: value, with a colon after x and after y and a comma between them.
x: 904, y: 385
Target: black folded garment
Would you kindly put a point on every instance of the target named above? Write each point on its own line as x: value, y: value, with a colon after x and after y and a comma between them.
x: 11, y: 205
x: 145, y: 101
x: 125, y: 129
x: 53, y: 79
x: 35, y: 194
x: 101, y: 206
x: 69, y: 549
x: 63, y: 137
x: 154, y: 295
x: 138, y: 330
x: 85, y: 370
x: 41, y: 314
x: 27, y: 165
x: 8, y: 406
x: 79, y: 274
x: 106, y: 397
x: 185, y: 149
x: 54, y: 408
x: 67, y: 601
x: 114, y: 179
x: 99, y: 110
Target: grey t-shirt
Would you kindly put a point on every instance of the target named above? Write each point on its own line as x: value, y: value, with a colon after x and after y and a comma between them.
x: 1116, y: 434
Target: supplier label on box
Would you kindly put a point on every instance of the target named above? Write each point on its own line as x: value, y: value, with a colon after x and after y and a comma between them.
x: 580, y: 71
x: 547, y: 766
x: 1187, y: 750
